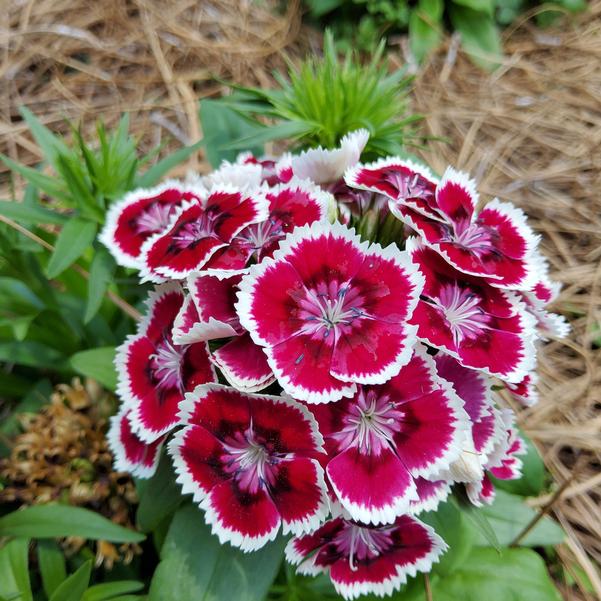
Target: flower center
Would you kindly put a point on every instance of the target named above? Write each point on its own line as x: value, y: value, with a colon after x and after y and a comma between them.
x: 166, y: 364
x: 462, y: 312
x: 249, y: 462
x: 473, y: 237
x: 330, y: 306
x: 191, y: 233
x: 362, y: 543
x: 154, y: 219
x: 370, y: 423
x: 408, y: 186
x: 260, y: 235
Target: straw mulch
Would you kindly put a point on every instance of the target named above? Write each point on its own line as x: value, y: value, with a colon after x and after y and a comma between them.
x: 531, y: 134
x: 83, y: 60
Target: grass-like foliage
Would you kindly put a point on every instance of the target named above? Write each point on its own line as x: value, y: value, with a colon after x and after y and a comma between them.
x: 326, y: 97
x: 64, y: 303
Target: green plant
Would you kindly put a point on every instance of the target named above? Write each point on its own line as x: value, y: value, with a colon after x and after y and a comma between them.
x: 359, y: 22
x: 325, y: 98
x: 64, y: 303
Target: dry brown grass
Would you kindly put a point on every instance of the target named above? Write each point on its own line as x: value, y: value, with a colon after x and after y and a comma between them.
x: 531, y: 133
x: 152, y: 59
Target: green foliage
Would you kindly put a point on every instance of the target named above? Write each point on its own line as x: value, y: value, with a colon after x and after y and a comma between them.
x: 357, y: 23
x: 194, y: 565
x: 325, y: 98
x: 53, y: 520
x: 55, y: 277
x: 509, y: 515
x: 57, y: 585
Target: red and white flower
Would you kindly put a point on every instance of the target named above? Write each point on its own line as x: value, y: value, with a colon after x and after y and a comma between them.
x: 404, y: 182
x: 130, y: 454
x: 154, y: 372
x: 139, y: 216
x: 430, y: 494
x: 198, y: 230
x: 385, y: 437
x: 331, y: 311
x: 483, y: 327
x: 291, y: 205
x: 251, y: 463
x: 362, y: 559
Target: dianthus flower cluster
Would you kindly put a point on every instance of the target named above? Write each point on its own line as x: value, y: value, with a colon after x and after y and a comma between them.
x: 308, y: 381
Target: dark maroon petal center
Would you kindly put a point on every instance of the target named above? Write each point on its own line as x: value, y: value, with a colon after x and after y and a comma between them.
x: 251, y: 460
x: 472, y: 237
x: 461, y: 309
x: 330, y: 306
x: 369, y: 423
x: 189, y: 233
x: 361, y: 543
x: 154, y: 218
x: 408, y: 185
x: 166, y: 365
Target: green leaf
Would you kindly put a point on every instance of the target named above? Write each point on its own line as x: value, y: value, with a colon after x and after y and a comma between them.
x: 483, y: 6
x: 479, y: 36
x: 77, y: 235
x: 25, y: 213
x: 480, y: 523
x: 515, y: 574
x: 14, y: 574
x: 51, y: 144
x: 31, y: 353
x: 53, y: 521
x: 508, y: 516
x: 101, y: 274
x: 287, y: 129
x: 194, y: 566
x: 73, y: 588
x: 51, y: 562
x: 51, y: 185
x: 222, y: 125
x: 533, y: 478
x: 451, y: 525
x: 97, y: 363
x: 159, y: 496
x: 110, y: 590
x: 157, y: 171
x: 425, y: 27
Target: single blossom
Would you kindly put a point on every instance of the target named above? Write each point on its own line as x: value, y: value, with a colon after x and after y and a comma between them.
x: 140, y: 215
x: 290, y: 205
x: 362, y: 559
x: 389, y: 435
x: 198, y: 230
x: 495, y: 243
x: 331, y: 311
x: 404, y: 182
x: 130, y: 453
x: 154, y: 372
x: 484, y: 328
x: 250, y: 461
